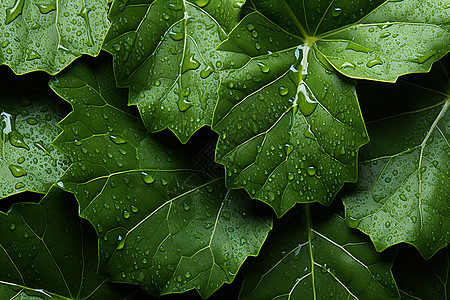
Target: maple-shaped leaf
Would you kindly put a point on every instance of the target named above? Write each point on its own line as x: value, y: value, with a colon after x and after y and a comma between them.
x: 49, y: 35
x: 164, y: 51
x: 28, y: 117
x: 312, y: 254
x: 288, y: 117
x: 402, y: 194
x: 48, y: 252
x: 163, y: 223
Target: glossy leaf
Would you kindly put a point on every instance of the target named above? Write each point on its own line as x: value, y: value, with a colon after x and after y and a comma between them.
x: 162, y: 224
x: 402, y: 194
x: 46, y: 252
x: 312, y: 254
x: 28, y: 161
x: 48, y: 36
x: 164, y: 51
x: 423, y: 279
x: 289, y: 122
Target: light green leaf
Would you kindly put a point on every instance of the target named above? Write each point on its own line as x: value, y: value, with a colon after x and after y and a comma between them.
x: 164, y: 51
x: 162, y: 224
x: 49, y: 35
x: 289, y: 123
x: 312, y: 254
x: 402, y: 194
x: 28, y: 161
x: 46, y: 252
x: 422, y: 279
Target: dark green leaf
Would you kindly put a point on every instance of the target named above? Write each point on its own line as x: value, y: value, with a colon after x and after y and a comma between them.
x: 402, y: 194
x: 162, y: 224
x: 164, y: 51
x: 314, y: 255
x: 28, y: 161
x: 49, y: 35
x: 46, y: 252
x: 420, y: 279
x: 289, y: 122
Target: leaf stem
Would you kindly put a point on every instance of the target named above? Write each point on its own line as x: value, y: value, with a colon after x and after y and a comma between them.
x: 311, y: 256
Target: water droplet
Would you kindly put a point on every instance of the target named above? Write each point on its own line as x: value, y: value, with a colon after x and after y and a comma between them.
x: 12, y: 226
x: 16, y: 139
x: 311, y: 171
x: 423, y: 57
x: 190, y: 64
x: 149, y: 179
x: 117, y: 139
x: 357, y: 47
x: 377, y: 198
x: 387, y: 224
x: 17, y: 171
x: 206, y: 72
x: 305, y: 105
x: 121, y: 244
x: 126, y: 214
x: 13, y: 12
x: 337, y: 11
x: 46, y: 8
x: 352, y: 222
x: 283, y: 91
x: 32, y: 121
x: 288, y: 148
x: 347, y: 65
x: 264, y: 68
x: 374, y: 62
x: 176, y: 36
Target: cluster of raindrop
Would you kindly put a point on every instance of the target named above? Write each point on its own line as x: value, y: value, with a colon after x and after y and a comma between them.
x: 27, y: 152
x: 25, y: 38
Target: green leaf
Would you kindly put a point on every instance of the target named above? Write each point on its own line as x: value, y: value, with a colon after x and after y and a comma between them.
x: 402, y: 194
x: 312, y: 254
x: 49, y: 35
x: 28, y: 161
x: 422, y: 279
x: 164, y: 51
x: 162, y: 223
x: 46, y: 252
x: 289, y: 123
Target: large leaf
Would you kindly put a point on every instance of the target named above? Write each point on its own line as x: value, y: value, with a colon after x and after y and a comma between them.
x: 28, y: 117
x: 46, y: 252
x: 162, y: 224
x: 49, y: 35
x: 423, y: 279
x: 289, y: 122
x: 402, y: 194
x: 164, y: 51
x: 312, y: 254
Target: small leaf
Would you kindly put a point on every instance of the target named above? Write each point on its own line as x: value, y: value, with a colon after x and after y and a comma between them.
x: 163, y: 224
x: 49, y: 35
x: 312, y: 254
x: 164, y: 51
x: 402, y: 194
x: 289, y: 123
x: 28, y: 161
x: 422, y: 279
x: 48, y: 253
